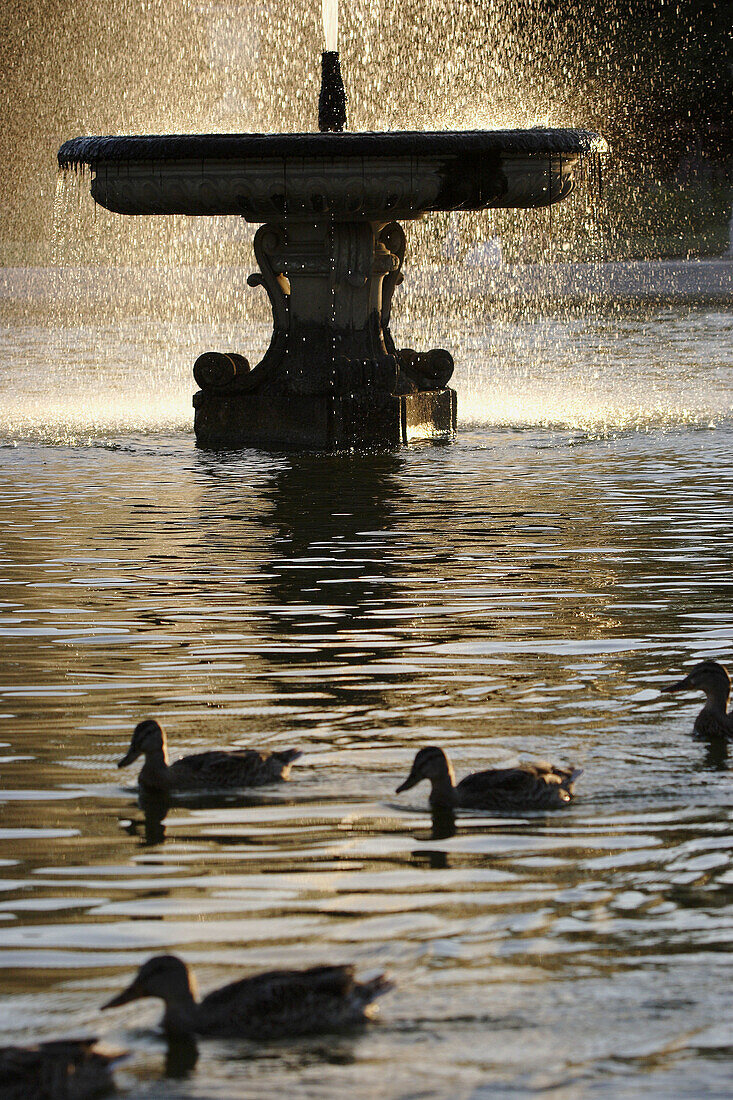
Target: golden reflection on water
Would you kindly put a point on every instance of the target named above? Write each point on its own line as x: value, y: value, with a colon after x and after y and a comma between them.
x: 516, y: 593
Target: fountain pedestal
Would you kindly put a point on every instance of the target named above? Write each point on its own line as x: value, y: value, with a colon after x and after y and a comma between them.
x: 330, y: 251
x: 332, y: 377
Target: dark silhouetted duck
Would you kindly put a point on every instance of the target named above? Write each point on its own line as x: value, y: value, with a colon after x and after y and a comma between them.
x: 208, y: 771
x: 64, y: 1069
x: 713, y: 679
x: 535, y: 786
x: 274, y: 1005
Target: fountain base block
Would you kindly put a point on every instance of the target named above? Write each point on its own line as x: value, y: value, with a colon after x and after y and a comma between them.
x: 323, y: 423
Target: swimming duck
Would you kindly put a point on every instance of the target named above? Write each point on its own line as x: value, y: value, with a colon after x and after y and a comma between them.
x: 535, y: 786
x: 204, y: 770
x: 712, y: 678
x: 64, y: 1069
x: 273, y: 1005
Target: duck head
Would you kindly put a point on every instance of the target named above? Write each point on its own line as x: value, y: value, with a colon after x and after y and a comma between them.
x: 147, y: 737
x: 164, y: 976
x: 429, y: 763
x: 709, y: 677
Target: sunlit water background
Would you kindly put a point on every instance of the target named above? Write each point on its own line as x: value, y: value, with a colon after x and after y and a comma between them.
x: 523, y: 592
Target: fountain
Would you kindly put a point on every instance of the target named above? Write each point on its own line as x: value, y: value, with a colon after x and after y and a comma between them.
x: 330, y: 251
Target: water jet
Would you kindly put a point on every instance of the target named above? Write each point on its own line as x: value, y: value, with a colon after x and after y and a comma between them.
x: 330, y: 251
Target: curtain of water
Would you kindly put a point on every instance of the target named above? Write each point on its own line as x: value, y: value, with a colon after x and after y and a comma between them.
x: 115, y: 322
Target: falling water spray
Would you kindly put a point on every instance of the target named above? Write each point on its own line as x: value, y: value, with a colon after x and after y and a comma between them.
x: 332, y: 100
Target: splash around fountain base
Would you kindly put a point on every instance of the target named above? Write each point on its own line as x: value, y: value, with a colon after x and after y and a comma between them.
x: 324, y: 423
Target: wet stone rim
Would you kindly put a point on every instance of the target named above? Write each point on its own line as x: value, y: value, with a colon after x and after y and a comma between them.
x: 90, y: 150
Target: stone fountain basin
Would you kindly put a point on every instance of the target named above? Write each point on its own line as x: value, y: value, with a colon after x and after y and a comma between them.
x: 330, y: 252
x: 349, y: 176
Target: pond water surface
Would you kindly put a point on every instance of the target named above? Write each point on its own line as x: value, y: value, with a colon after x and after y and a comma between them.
x: 523, y: 592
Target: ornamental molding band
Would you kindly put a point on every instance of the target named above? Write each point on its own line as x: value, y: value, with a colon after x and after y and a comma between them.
x: 342, y: 189
x: 274, y: 190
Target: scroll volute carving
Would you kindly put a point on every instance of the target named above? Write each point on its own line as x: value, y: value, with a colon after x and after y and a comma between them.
x: 392, y: 238
x: 270, y: 239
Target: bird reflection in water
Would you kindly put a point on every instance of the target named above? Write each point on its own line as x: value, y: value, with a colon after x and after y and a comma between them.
x: 182, y: 1053
x: 299, y: 1053
x: 443, y: 822
x: 716, y: 754
x: 443, y: 827
x: 155, y: 806
x: 181, y: 1056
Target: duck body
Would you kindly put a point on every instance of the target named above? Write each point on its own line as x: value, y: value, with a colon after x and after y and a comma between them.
x: 530, y: 786
x: 215, y: 770
x: 275, y: 1005
x: 535, y: 785
x: 64, y: 1069
x: 712, y: 678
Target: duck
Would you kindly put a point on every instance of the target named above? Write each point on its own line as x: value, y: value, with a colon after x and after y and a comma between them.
x: 276, y: 1004
x: 62, y: 1069
x: 529, y: 786
x: 204, y: 770
x: 712, y: 679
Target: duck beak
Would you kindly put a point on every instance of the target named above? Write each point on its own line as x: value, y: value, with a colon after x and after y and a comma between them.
x: 411, y: 780
x: 129, y: 758
x: 132, y: 993
x: 681, y: 685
